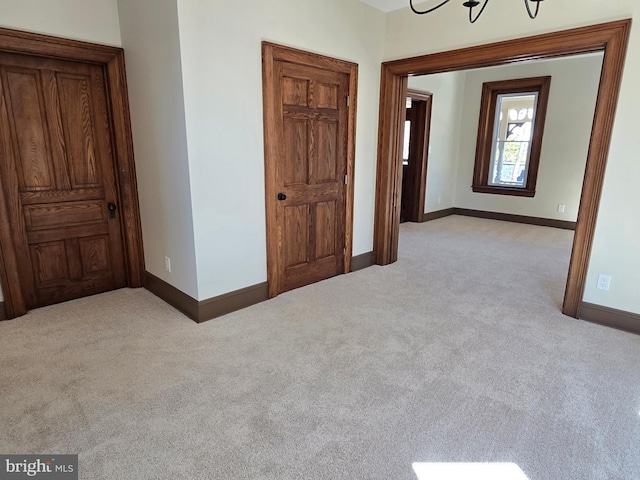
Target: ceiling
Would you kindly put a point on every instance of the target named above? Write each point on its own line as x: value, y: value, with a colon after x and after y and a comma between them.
x: 387, y: 5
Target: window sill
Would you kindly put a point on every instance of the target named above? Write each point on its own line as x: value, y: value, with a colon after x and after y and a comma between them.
x: 514, y: 191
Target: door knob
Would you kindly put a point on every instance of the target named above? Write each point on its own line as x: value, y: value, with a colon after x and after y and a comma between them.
x: 112, y: 210
x: 282, y: 196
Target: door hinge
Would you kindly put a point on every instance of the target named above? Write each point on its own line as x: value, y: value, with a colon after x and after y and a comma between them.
x: 348, y: 101
x: 346, y: 179
x: 344, y: 251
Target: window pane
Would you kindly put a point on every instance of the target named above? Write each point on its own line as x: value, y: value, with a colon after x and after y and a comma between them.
x: 407, y: 136
x: 512, y: 136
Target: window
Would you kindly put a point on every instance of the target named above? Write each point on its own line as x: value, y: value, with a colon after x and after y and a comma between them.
x: 407, y: 138
x: 512, y: 114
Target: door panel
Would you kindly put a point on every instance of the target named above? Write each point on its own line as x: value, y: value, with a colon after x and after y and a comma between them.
x: 78, y: 127
x: 28, y: 125
x: 296, y: 163
x: 312, y: 135
x: 295, y: 91
x: 327, y: 95
x: 325, y: 229
x: 58, y: 167
x: 94, y: 254
x: 296, y: 226
x: 326, y: 165
x: 49, y: 215
x: 50, y: 262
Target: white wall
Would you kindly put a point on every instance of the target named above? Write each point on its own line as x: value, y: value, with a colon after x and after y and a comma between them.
x: 446, y: 113
x: 151, y: 41
x: 89, y: 20
x: 572, y: 102
x: 615, y: 249
x: 222, y: 71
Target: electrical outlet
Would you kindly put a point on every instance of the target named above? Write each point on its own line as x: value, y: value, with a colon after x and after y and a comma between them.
x: 439, y: 200
x: 167, y: 264
x: 604, y: 282
x: 561, y: 208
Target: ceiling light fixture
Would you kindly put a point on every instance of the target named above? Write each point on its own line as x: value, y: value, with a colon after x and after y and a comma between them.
x: 471, y: 4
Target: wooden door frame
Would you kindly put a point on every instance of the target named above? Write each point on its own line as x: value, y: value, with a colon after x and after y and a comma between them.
x: 610, y: 38
x: 112, y: 61
x: 271, y: 53
x: 421, y: 173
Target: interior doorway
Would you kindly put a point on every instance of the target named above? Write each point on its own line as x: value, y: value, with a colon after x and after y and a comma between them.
x: 610, y: 38
x: 415, y: 155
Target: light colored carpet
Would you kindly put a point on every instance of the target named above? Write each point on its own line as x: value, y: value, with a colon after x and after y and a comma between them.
x: 456, y: 353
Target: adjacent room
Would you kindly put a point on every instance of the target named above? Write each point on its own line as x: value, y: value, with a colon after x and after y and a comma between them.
x: 328, y: 240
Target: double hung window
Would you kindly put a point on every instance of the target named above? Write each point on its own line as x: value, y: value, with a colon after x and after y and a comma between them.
x: 512, y: 115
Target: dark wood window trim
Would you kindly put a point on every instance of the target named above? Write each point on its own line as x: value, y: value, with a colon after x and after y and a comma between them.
x: 486, y: 126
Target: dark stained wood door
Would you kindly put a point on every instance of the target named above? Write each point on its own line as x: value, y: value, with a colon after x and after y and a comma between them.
x: 414, y: 167
x: 409, y: 163
x: 310, y: 176
x: 57, y: 168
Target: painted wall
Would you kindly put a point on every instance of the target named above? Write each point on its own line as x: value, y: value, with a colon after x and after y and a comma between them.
x: 572, y: 102
x: 615, y: 250
x: 446, y: 114
x: 89, y: 20
x: 221, y: 61
x: 151, y: 41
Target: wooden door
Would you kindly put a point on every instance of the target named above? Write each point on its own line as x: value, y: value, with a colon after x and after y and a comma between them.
x: 414, y: 167
x: 409, y: 164
x: 309, y: 108
x: 310, y: 177
x: 57, y: 170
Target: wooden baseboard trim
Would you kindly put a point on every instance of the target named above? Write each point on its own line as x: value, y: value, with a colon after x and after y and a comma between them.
x: 3, y: 312
x: 627, y: 321
x: 232, y: 301
x: 362, y: 261
x: 427, y: 217
x: 507, y: 217
x: 210, y: 308
x: 170, y: 294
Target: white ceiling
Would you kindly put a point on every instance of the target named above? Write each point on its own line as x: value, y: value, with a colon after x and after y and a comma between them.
x: 387, y: 5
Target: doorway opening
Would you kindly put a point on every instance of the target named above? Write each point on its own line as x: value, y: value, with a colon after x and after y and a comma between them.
x: 415, y: 155
x: 610, y: 38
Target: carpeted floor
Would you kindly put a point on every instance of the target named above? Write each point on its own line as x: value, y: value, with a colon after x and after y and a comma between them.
x: 456, y: 353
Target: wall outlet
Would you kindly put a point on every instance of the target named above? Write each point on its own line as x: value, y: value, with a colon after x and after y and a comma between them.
x: 439, y: 200
x: 167, y: 264
x: 604, y: 282
x: 561, y: 208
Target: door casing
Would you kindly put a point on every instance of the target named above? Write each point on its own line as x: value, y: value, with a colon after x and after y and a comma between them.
x: 112, y: 61
x: 272, y: 53
x: 611, y: 38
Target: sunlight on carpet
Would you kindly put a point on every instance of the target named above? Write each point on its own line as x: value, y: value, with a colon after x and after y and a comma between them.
x: 469, y: 471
